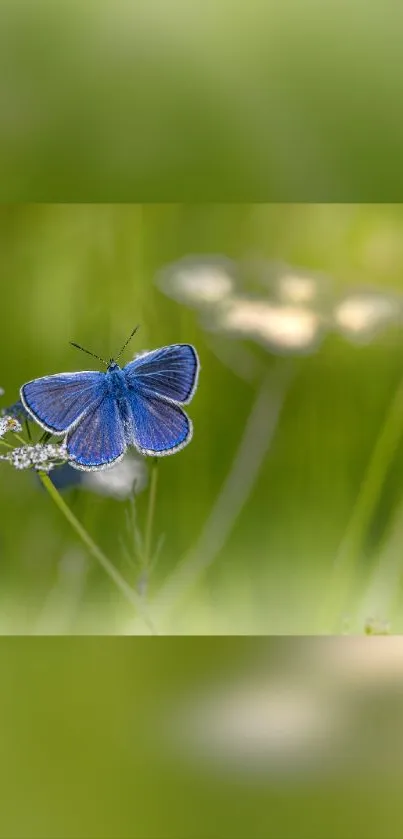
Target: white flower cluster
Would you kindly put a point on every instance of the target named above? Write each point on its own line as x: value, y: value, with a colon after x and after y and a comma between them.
x: 9, y: 424
x: 43, y: 458
x: 285, y: 309
x: 16, y: 410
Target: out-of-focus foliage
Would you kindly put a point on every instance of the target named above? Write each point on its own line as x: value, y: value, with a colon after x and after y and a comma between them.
x: 267, y: 738
x: 108, y: 100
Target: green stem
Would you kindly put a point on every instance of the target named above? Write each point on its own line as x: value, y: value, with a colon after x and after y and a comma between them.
x: 384, y: 592
x: 110, y: 569
x: 150, y: 513
x: 19, y: 438
x: 344, y: 571
x: 5, y: 443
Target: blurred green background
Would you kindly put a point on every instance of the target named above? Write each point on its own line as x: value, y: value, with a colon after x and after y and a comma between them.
x: 106, y: 101
x: 148, y: 101
x: 211, y: 737
x: 308, y: 514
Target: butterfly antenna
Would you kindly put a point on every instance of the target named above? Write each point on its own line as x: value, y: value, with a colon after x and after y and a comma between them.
x: 127, y: 342
x: 79, y: 347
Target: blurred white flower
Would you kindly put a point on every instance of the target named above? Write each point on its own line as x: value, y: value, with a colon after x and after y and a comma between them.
x: 282, y: 328
x: 198, y: 281
x: 120, y: 481
x: 360, y: 662
x: 296, y: 289
x: 286, y: 309
x: 261, y: 725
x: 294, y: 285
x: 362, y: 314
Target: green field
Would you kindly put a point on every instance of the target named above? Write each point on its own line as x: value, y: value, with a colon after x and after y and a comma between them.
x: 284, y: 513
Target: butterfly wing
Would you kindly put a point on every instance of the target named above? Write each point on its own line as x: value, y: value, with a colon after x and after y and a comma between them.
x: 57, y: 402
x: 170, y: 372
x: 98, y: 440
x: 160, y: 427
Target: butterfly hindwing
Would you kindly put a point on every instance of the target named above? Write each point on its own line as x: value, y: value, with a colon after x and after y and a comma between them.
x: 170, y: 372
x: 57, y: 402
x: 98, y: 441
x: 160, y: 427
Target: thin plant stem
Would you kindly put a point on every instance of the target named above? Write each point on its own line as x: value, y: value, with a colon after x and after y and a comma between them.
x: 150, y: 516
x: 7, y: 444
x: 20, y: 439
x: 131, y: 596
x: 259, y: 431
x: 343, y: 577
x: 384, y: 591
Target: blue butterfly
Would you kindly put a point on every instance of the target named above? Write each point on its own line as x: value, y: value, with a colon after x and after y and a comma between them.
x: 102, y: 413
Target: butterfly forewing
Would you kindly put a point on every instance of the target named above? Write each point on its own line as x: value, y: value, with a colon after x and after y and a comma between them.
x: 57, y: 402
x: 169, y: 372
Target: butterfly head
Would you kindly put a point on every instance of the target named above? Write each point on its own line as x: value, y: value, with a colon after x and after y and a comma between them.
x: 112, y: 366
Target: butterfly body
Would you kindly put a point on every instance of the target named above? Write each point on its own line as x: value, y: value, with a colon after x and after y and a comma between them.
x: 117, y: 388
x: 102, y: 413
